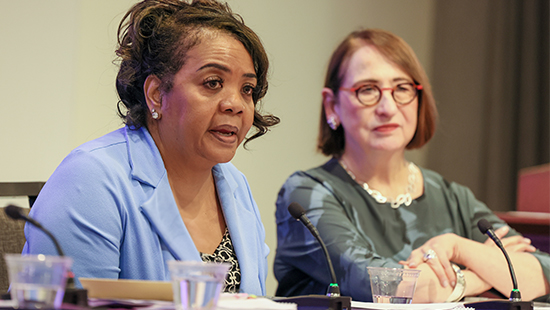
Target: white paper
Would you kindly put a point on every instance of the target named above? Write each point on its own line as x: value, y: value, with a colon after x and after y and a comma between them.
x: 226, y: 301
x: 258, y: 303
x: 381, y: 306
x: 6, y: 304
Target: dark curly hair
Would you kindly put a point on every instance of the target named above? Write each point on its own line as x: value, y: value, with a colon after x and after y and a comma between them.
x: 332, y: 142
x: 154, y: 37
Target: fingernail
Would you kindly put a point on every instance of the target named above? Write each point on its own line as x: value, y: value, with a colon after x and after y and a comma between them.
x: 527, y: 240
x: 445, y: 283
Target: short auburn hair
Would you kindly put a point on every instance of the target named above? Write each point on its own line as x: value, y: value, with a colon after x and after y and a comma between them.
x: 332, y: 142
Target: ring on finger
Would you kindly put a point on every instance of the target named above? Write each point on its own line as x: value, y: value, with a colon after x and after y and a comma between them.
x: 430, y: 254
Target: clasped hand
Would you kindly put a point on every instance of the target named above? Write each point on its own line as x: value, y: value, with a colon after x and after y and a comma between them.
x: 447, y: 249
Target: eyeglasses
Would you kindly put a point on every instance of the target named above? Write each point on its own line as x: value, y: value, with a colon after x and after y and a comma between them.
x: 370, y: 94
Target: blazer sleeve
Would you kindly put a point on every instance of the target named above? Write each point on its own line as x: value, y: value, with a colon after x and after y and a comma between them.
x: 79, y: 205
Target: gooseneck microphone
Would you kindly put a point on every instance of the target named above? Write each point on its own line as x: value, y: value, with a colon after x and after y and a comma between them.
x: 486, y: 228
x: 17, y: 213
x: 298, y: 212
x: 72, y: 295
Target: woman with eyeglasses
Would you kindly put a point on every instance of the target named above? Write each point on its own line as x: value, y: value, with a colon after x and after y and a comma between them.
x: 373, y: 207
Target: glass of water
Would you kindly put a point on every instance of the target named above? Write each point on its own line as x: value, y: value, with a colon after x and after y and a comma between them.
x: 392, y: 285
x: 37, y: 281
x: 197, y: 285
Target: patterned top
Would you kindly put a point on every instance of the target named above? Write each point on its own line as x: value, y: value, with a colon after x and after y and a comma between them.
x: 225, y: 253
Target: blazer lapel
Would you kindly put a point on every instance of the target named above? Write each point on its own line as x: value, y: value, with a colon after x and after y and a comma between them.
x: 162, y: 212
x: 239, y: 221
x: 160, y: 209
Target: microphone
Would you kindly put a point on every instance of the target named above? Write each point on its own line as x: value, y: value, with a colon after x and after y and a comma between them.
x: 72, y: 295
x: 16, y: 213
x: 298, y: 212
x: 486, y: 228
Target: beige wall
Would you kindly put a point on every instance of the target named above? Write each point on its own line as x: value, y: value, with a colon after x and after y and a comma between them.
x: 57, y: 80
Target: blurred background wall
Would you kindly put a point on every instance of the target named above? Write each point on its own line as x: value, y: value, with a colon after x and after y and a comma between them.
x: 490, y: 77
x: 57, y: 83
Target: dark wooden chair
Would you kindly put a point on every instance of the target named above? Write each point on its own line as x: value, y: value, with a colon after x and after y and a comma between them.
x: 12, y: 238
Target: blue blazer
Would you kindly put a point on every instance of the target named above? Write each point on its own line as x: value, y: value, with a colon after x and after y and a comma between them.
x: 110, y: 205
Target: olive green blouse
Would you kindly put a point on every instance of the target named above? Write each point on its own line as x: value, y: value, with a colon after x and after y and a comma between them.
x: 360, y: 232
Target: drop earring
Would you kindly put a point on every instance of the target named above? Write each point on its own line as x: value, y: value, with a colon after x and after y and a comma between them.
x: 155, y: 114
x: 332, y: 122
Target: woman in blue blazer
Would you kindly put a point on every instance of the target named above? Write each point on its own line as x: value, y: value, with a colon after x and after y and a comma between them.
x: 161, y: 187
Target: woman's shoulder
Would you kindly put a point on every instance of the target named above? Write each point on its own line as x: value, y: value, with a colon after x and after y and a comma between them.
x: 327, y: 180
x: 112, y: 138
x: 319, y: 174
x: 90, y: 178
x: 435, y: 181
x: 107, y: 146
x: 117, y: 155
x: 121, y: 145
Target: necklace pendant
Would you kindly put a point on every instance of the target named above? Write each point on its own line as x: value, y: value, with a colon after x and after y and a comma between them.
x: 403, y: 199
x: 375, y: 194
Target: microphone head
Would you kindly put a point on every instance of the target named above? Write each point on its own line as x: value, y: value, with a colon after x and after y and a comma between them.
x: 14, y: 212
x: 484, y: 226
x: 296, y: 210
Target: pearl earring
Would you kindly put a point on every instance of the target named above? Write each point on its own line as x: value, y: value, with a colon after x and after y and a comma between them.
x: 155, y: 114
x: 332, y: 122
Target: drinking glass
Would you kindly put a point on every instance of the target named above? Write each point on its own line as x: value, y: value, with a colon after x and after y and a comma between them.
x: 392, y: 285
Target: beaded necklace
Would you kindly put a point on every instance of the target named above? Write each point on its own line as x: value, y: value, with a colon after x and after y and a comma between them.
x: 405, y: 198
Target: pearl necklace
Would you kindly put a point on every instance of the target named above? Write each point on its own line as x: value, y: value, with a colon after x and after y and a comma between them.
x: 405, y: 199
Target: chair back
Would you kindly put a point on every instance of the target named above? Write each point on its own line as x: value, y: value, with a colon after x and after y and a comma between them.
x: 12, y: 240
x: 534, y: 189
x: 12, y: 237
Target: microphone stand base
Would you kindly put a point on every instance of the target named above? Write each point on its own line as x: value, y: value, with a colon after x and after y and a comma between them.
x: 500, y: 305
x: 76, y: 296
x: 318, y: 302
